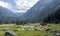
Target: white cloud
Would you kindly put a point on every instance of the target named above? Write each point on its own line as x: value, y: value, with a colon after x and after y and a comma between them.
x: 5, y: 4
x: 24, y: 5
x: 21, y: 5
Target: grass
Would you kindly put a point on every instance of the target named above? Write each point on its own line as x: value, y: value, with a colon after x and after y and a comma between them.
x: 26, y: 33
x: 29, y: 33
x: 2, y: 33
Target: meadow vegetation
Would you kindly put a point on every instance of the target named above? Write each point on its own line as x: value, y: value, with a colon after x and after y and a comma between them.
x: 15, y: 28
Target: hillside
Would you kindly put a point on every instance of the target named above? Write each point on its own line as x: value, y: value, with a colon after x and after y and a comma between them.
x: 40, y: 10
x: 7, y: 16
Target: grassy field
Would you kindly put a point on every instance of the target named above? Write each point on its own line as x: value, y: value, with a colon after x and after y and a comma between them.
x: 29, y: 33
x: 26, y: 33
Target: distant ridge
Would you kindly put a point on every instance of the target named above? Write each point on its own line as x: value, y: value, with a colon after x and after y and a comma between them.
x: 7, y: 16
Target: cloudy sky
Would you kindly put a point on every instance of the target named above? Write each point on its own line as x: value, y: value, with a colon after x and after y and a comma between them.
x: 18, y: 6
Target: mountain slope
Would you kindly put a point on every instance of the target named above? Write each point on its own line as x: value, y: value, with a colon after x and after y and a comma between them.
x: 7, y: 16
x: 40, y: 10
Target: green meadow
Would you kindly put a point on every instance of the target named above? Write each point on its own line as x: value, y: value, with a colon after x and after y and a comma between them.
x: 13, y: 27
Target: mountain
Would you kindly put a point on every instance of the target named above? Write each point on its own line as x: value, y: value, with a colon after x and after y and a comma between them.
x: 7, y: 16
x: 18, y: 14
x: 40, y: 10
x: 53, y: 17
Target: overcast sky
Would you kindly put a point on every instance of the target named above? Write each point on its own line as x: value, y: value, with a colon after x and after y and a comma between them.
x: 18, y: 6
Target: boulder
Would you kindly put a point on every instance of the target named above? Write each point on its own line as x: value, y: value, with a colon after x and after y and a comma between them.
x: 9, y: 33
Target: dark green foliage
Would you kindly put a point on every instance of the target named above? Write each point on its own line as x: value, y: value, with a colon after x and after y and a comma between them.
x: 17, y: 22
x: 13, y: 22
x: 53, y: 17
x: 25, y: 22
x: 20, y: 22
x: 0, y: 21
